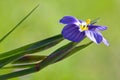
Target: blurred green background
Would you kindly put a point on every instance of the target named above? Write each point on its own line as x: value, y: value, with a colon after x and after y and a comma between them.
x: 96, y: 62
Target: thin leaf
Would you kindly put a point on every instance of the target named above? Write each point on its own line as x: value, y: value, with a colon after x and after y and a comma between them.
x: 29, y: 59
x: 49, y: 60
x: 44, y: 44
x: 35, y: 58
x: 5, y: 36
x: 17, y: 73
x: 74, y: 50
x: 10, y: 56
x: 58, y: 55
x: 94, y: 21
x: 21, y: 66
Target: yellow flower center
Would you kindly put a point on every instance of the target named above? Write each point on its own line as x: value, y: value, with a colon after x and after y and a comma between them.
x: 83, y: 26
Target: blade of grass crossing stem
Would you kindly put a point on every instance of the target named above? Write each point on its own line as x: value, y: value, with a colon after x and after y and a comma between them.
x: 39, y: 46
x: 5, y: 36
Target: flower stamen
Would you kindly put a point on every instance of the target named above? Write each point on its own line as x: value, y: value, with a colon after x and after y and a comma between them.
x: 88, y: 21
x: 83, y: 27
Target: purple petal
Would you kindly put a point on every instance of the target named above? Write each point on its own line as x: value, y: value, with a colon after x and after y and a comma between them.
x: 80, y: 21
x: 95, y: 27
x: 94, y: 36
x: 105, y: 42
x: 69, y: 20
x: 72, y: 33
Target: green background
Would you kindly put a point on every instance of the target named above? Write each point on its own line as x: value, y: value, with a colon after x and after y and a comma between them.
x: 96, y: 62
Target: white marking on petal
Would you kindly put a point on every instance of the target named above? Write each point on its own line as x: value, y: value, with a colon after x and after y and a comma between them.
x: 84, y: 23
x: 90, y: 35
x: 77, y: 23
x: 105, y: 42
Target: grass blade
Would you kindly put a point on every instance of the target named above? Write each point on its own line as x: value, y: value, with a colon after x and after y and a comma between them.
x: 5, y: 36
x: 29, y: 59
x: 21, y: 66
x: 34, y: 47
x: 56, y: 56
x: 10, y: 56
x: 74, y: 50
x: 49, y: 60
x: 35, y: 58
x: 17, y: 73
x: 94, y: 21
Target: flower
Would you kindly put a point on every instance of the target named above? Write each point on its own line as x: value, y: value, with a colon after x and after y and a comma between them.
x: 76, y: 30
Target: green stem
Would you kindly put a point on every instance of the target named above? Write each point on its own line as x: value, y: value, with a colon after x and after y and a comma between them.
x: 5, y: 36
